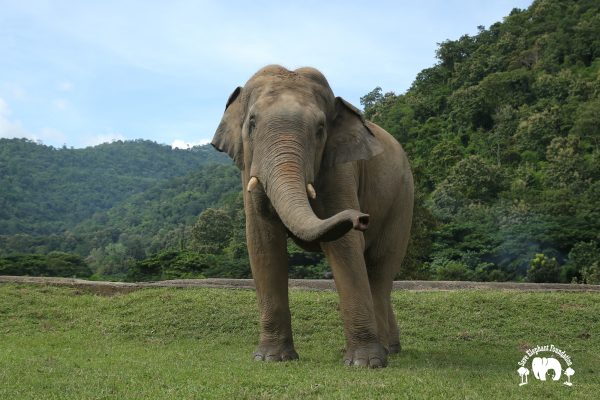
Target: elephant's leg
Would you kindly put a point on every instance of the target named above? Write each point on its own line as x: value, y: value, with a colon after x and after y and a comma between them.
x: 394, y: 331
x: 380, y: 283
x: 387, y: 326
x: 267, y: 249
x: 387, y: 240
x: 363, y: 346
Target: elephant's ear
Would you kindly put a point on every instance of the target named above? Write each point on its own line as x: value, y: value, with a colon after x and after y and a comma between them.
x: 349, y: 138
x: 228, y: 137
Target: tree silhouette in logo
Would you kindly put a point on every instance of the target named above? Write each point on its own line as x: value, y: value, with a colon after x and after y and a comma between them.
x: 569, y: 373
x: 523, y: 372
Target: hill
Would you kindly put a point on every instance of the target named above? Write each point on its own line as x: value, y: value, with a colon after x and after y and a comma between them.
x: 155, y: 218
x: 503, y: 134
x: 196, y: 343
x: 45, y: 190
x: 104, y: 207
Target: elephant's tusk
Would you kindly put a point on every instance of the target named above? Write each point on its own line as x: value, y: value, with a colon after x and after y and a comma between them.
x: 252, y: 184
x: 311, y: 191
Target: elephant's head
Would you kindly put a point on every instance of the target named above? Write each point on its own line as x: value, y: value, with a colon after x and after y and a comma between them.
x: 281, y: 129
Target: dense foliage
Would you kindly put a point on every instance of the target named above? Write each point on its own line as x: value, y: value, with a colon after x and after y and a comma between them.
x: 113, y: 204
x: 52, y: 264
x: 503, y: 134
x: 45, y: 190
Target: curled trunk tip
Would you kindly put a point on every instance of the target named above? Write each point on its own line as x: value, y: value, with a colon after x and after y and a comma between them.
x: 362, y: 222
x: 342, y: 223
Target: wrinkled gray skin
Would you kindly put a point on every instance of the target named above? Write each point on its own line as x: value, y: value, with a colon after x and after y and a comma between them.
x: 287, y: 129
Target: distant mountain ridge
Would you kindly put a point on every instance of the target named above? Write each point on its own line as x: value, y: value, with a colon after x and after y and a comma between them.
x: 160, y: 216
x: 46, y: 190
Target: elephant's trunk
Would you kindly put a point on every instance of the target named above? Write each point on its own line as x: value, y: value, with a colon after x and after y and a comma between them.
x: 286, y: 187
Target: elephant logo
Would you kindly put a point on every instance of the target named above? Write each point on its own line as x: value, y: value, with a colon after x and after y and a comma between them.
x: 546, y: 367
x: 541, y: 366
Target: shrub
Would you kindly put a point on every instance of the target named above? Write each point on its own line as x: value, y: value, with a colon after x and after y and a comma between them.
x: 52, y: 264
x: 543, y: 269
x: 188, y: 265
x: 170, y: 265
x: 591, y: 274
x: 450, y: 270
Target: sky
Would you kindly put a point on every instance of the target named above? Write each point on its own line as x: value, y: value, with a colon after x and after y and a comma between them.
x: 80, y: 73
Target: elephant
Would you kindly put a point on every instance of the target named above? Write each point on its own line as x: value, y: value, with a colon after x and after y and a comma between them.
x: 541, y: 365
x: 316, y: 171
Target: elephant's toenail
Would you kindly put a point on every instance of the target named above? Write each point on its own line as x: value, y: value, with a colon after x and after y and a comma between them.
x: 375, y: 363
x: 361, y: 362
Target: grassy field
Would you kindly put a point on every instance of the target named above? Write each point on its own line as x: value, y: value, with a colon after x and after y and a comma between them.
x: 61, y: 343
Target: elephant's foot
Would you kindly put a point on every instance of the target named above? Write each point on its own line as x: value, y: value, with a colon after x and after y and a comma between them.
x: 372, y: 355
x: 275, y: 352
x: 395, y: 348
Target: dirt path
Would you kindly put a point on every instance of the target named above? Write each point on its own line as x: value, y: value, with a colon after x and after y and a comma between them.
x: 109, y: 288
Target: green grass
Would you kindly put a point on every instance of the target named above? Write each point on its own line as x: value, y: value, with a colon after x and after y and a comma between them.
x: 61, y: 343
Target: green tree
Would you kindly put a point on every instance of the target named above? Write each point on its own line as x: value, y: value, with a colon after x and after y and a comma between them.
x: 583, y: 256
x: 171, y: 264
x: 587, y: 123
x: 591, y: 274
x: 370, y: 100
x: 449, y: 270
x: 212, y: 231
x: 52, y: 264
x: 471, y: 180
x: 543, y: 269
x: 111, y: 261
x: 505, y: 124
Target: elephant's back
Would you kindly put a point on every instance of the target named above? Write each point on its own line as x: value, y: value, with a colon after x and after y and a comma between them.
x: 390, y: 168
x: 392, y: 149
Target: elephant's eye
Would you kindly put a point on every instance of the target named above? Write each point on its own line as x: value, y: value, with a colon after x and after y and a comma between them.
x: 320, y: 131
x: 251, y: 126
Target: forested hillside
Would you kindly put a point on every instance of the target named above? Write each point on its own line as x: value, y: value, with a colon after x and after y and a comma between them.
x: 503, y: 134
x: 103, y: 207
x: 44, y: 190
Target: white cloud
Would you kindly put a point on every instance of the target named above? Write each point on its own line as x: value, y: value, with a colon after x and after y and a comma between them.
x: 8, y: 127
x: 52, y: 135
x: 65, y: 86
x: 181, y: 144
x: 4, y: 109
x: 103, y: 138
x: 13, y: 129
x: 61, y: 104
x: 18, y: 92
